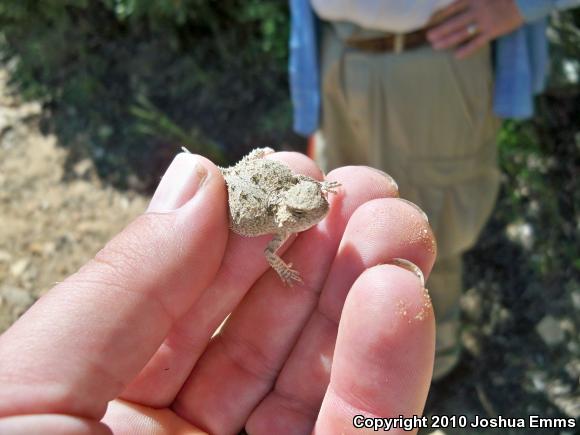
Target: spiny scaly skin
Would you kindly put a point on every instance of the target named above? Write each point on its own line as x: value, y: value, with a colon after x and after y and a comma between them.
x: 266, y: 197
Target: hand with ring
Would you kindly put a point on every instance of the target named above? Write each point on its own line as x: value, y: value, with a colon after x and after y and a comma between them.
x: 467, y: 25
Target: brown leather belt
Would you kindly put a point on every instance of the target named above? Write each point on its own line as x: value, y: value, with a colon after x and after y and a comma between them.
x: 396, y: 43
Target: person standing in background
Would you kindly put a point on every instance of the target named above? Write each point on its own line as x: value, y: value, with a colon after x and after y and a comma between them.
x: 417, y: 89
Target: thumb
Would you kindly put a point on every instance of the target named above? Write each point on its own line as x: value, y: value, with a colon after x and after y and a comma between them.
x: 80, y: 344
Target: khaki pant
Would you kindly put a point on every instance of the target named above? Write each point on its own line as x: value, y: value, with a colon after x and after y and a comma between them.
x: 426, y: 119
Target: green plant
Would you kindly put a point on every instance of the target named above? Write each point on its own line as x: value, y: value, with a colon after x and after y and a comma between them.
x: 211, y: 71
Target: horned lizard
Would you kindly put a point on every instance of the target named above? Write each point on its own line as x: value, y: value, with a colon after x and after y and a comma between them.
x: 266, y: 197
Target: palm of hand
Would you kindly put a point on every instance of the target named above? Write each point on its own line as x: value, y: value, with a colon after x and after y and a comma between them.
x: 137, y: 322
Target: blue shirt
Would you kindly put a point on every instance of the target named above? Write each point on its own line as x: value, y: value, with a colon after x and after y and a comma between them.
x: 521, y: 63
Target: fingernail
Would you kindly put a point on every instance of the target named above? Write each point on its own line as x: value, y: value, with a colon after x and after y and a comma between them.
x: 416, y: 207
x: 182, y: 180
x: 411, y: 267
x: 388, y: 177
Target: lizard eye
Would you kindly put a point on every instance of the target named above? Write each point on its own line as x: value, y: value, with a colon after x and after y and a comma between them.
x: 297, y: 213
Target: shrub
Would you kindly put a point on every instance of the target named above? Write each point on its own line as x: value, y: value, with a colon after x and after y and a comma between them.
x: 128, y: 77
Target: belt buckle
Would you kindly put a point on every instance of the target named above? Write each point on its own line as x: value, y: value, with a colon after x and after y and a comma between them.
x: 399, y: 43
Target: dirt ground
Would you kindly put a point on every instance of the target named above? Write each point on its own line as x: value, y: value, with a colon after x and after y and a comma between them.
x: 48, y: 227
x: 519, y: 360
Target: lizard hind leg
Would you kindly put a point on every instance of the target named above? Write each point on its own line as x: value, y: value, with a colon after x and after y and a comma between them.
x: 288, y: 275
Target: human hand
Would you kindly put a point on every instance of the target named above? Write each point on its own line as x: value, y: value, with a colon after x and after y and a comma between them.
x: 126, y: 343
x: 467, y: 25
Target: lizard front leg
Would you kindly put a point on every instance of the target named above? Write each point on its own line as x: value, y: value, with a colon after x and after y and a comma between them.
x: 329, y: 186
x: 285, y: 271
x: 325, y: 186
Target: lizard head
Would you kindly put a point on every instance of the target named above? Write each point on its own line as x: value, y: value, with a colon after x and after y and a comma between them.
x: 303, y: 206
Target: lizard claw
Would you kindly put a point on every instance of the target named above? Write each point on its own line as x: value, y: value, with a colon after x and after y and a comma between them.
x: 290, y: 276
